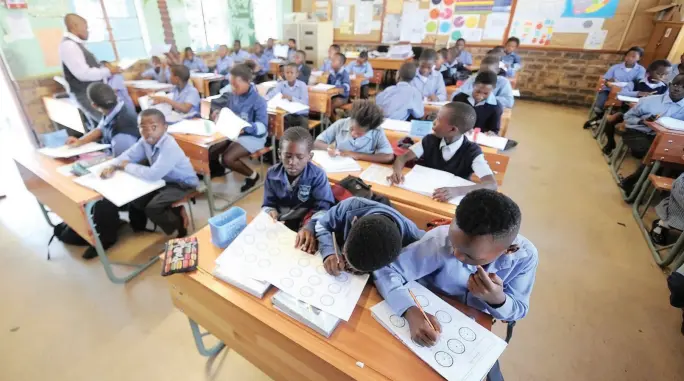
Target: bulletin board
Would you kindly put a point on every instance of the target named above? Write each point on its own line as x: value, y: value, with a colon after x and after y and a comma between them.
x: 605, y: 25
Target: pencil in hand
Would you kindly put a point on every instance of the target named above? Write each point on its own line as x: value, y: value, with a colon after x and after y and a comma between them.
x: 422, y: 310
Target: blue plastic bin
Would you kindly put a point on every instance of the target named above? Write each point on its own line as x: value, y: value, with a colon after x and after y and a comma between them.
x: 225, y: 227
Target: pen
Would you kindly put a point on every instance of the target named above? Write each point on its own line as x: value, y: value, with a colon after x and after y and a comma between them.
x: 422, y: 310
x: 337, y: 253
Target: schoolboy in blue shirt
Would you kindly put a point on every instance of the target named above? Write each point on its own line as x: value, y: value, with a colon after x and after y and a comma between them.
x: 327, y: 63
x: 185, y: 98
x: 503, y: 90
x: 194, y: 63
x: 339, y: 77
x: 262, y: 63
x: 303, y: 69
x: 246, y: 103
x: 158, y: 71
x: 296, y: 191
x: 359, y: 136
x: 447, y: 149
x: 238, y: 55
x: 637, y: 136
x: 117, y: 83
x: 292, y: 49
x: 442, y: 67
x: 481, y: 259
x: 625, y: 72
x: 510, y: 58
x: 292, y: 90
x: 370, y: 235
x: 361, y: 66
x: 652, y: 84
x: 268, y: 51
x: 224, y: 62
x: 402, y: 101
x: 464, y: 58
x: 428, y: 81
x: 167, y: 162
x: 482, y: 98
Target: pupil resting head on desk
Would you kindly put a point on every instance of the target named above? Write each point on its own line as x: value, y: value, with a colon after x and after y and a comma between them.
x: 374, y: 241
x: 152, y: 125
x: 453, y: 120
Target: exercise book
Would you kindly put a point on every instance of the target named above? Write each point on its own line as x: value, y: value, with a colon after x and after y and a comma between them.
x: 238, y: 279
x: 377, y: 174
x: 265, y: 250
x: 314, y: 318
x: 484, y: 139
x: 465, y: 351
x: 229, y: 124
x: 289, y: 106
x: 426, y: 180
x: 66, y: 151
x: 201, y: 127
x: 671, y: 123
x: 335, y: 164
x: 625, y: 98
x: 396, y: 125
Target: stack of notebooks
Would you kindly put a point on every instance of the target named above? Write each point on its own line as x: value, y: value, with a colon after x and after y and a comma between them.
x: 320, y: 321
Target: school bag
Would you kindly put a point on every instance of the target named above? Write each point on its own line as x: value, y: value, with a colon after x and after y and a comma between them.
x: 106, y: 218
x: 352, y: 186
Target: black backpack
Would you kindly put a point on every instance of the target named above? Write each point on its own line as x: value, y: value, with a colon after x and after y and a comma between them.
x: 106, y: 217
x: 352, y: 186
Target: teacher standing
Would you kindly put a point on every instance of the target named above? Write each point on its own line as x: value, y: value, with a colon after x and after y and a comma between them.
x: 80, y: 66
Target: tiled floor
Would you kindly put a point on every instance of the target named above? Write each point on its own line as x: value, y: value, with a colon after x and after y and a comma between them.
x: 599, y: 310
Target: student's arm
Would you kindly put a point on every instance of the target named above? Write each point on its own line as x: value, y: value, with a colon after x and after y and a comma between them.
x: 274, y: 91
x: 634, y: 116
x: 610, y: 74
x: 334, y: 221
x: 642, y: 73
x: 505, y: 97
x: 415, y: 261
x: 270, y: 203
x: 260, y: 124
x: 382, y: 152
x: 628, y: 90
x: 135, y: 154
x: 416, y: 107
x: 92, y: 136
x: 481, y: 170
x: 441, y: 90
x: 467, y: 61
x: 345, y: 84
x: 323, y: 199
x: 301, y: 95
x: 328, y: 136
x: 369, y: 71
x: 415, y: 152
x: 466, y: 88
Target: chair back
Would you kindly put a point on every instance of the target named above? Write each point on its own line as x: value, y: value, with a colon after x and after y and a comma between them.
x: 318, y: 101
x: 498, y: 163
x: 505, y: 121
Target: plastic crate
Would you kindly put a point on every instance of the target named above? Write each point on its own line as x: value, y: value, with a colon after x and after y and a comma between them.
x: 225, y: 227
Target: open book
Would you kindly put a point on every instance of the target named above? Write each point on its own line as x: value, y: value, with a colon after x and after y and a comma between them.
x: 66, y: 151
x: 121, y: 188
x: 322, y: 87
x: 289, y: 106
x: 625, y: 98
x: 229, y: 124
x: 483, y: 139
x: 335, y: 164
x: 145, y: 101
x: 426, y: 180
x: 671, y: 123
x: 201, y: 127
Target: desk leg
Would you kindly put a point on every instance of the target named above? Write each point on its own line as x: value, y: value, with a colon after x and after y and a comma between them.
x: 210, y: 194
x: 637, y: 190
x: 45, y: 214
x: 201, y: 348
x: 103, y: 255
x: 211, y: 197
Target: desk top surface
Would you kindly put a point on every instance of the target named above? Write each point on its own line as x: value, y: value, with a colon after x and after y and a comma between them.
x: 45, y: 168
x: 361, y: 339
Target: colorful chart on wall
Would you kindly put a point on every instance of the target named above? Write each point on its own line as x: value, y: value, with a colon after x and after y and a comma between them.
x: 533, y: 32
x: 475, y: 6
x: 590, y: 8
x: 468, y: 19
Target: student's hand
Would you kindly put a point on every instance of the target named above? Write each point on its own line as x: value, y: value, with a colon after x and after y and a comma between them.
x: 274, y: 215
x: 113, y: 69
x: 433, y: 98
x: 287, y: 97
x: 73, y: 142
x: 351, y: 154
x: 645, y: 93
x: 306, y: 241
x: 333, y: 265
x: 421, y: 333
x: 396, y: 178
x: 108, y: 172
x: 487, y: 286
x: 491, y: 133
x: 332, y: 151
x: 447, y: 193
x: 156, y: 99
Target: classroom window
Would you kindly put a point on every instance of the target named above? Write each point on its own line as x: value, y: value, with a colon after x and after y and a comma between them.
x: 126, y: 40
x: 207, y: 23
x: 265, y: 20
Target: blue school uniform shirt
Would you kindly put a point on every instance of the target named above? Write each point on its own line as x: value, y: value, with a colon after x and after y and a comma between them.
x: 268, y: 52
x: 401, y: 101
x: 366, y: 70
x: 188, y: 94
x: 339, y: 219
x: 240, y: 56
x: 116, y: 82
x: 251, y: 107
x: 661, y: 105
x: 167, y: 162
x: 621, y: 73
x: 503, y: 93
x: 162, y: 76
x: 373, y: 142
x: 262, y: 61
x: 299, y: 93
x: 465, y: 58
x: 432, y: 263
x: 291, y: 54
x: 327, y: 65
x: 433, y: 84
x: 224, y: 64
x: 310, y: 189
x: 632, y: 89
x: 196, y: 64
x: 513, y: 63
x: 341, y: 81
x: 673, y: 73
x: 121, y: 120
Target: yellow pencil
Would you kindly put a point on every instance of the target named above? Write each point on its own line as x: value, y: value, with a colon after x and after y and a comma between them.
x: 422, y: 310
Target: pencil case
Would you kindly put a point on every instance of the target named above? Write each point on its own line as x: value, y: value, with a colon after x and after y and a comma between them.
x: 225, y: 227
x: 180, y: 256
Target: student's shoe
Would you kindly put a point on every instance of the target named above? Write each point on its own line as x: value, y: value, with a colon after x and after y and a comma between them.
x: 249, y: 183
x: 510, y: 144
x: 658, y: 233
x: 608, y: 150
x: 91, y: 253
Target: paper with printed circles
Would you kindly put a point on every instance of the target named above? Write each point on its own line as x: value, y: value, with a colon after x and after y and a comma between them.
x: 265, y: 251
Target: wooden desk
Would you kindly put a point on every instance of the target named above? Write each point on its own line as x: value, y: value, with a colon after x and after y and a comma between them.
x: 70, y: 201
x: 282, y: 347
x: 276, y: 119
x: 355, y: 86
x: 202, y: 84
x: 385, y: 63
x: 274, y: 67
x: 321, y: 102
x: 451, y: 90
x: 65, y: 112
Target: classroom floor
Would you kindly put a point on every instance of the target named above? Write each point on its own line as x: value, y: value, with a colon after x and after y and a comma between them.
x: 599, y: 310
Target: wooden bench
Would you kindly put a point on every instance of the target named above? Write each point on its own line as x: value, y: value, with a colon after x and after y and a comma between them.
x: 661, y: 183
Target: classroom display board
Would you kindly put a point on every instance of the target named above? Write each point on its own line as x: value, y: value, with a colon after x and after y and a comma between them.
x: 356, y: 20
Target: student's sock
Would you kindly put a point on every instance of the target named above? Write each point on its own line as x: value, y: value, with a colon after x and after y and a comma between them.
x: 253, y: 175
x: 250, y: 182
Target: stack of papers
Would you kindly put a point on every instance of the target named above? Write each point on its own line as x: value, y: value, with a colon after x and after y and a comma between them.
x: 291, y: 107
x: 281, y: 50
x: 671, y: 123
x: 314, y: 318
x: 378, y: 174
x: 238, y: 279
x: 322, y: 87
x: 400, y: 51
x: 465, y: 351
x: 335, y: 164
x: 230, y: 125
x: 149, y: 84
x: 396, y: 125
x: 625, y: 98
x: 201, y: 127
x: 484, y: 139
x: 66, y: 151
x: 426, y: 180
x: 121, y: 188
